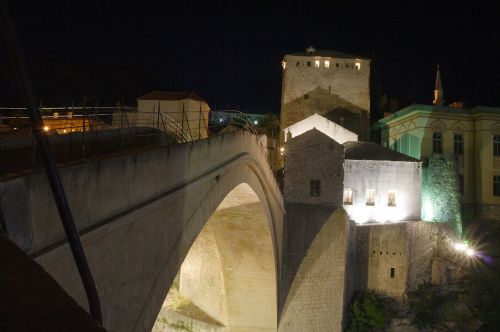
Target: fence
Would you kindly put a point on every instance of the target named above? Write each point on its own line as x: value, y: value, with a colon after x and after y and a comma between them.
x: 79, y: 133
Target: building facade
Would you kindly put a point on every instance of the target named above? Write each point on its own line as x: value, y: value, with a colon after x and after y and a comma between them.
x: 471, y: 136
x: 372, y: 183
x: 330, y: 83
x: 389, y: 248
x: 184, y: 115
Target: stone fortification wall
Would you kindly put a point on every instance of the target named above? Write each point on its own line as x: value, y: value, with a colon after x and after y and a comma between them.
x: 382, y: 258
x: 316, y: 287
x: 418, y: 252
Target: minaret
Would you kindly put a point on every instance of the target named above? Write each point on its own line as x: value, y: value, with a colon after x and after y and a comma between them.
x: 438, y: 90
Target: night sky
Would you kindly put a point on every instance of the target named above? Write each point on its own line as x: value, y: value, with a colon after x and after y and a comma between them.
x: 231, y: 53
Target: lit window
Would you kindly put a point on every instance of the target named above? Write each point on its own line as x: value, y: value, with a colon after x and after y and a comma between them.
x: 70, y: 115
x: 496, y: 145
x: 316, y: 63
x: 496, y: 185
x: 347, y: 196
x: 437, y: 143
x: 391, y: 198
x: 55, y: 115
x: 370, y: 197
x: 283, y: 64
x: 458, y: 144
x: 358, y: 65
x: 327, y: 64
x: 315, y: 188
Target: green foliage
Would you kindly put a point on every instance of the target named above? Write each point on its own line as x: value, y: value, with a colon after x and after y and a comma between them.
x: 427, y: 304
x: 440, y: 196
x: 368, y: 312
x: 269, y: 125
x: 435, y: 307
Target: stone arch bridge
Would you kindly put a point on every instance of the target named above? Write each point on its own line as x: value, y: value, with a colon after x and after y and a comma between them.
x: 139, y: 215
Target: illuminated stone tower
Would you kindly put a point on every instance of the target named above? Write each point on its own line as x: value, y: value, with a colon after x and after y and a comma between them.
x: 333, y: 84
x: 438, y: 90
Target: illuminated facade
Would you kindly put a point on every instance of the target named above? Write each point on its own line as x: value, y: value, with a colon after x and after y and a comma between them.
x: 372, y: 183
x: 471, y: 136
x: 379, y: 184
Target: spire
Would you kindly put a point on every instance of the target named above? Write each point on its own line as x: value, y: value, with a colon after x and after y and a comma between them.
x: 438, y: 90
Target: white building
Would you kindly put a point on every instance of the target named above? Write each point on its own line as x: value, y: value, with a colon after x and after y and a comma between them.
x: 380, y: 184
x: 377, y: 184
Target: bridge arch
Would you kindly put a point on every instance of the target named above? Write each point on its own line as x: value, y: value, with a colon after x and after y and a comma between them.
x: 230, y: 270
x: 138, y: 216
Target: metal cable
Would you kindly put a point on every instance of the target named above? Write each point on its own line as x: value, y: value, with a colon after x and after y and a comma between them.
x: 50, y: 167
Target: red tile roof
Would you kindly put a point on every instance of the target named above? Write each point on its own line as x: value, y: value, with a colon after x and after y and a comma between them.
x: 169, y: 95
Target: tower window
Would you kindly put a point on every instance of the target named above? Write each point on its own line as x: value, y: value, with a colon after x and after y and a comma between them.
x: 298, y: 63
x: 306, y: 96
x: 316, y: 63
x: 358, y: 65
x: 327, y: 64
x: 393, y: 272
x: 458, y: 144
x: 283, y: 64
x: 496, y: 145
x: 370, y: 197
x: 391, y: 198
x: 337, y: 65
x: 496, y: 185
x: 348, y: 196
x: 437, y: 142
x: 308, y: 63
x: 315, y: 188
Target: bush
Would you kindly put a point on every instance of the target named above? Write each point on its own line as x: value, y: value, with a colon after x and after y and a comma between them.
x: 368, y: 312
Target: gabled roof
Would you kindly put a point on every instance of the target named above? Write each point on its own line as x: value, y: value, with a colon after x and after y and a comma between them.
x: 322, y: 124
x: 170, y: 95
x: 330, y: 53
x: 356, y: 150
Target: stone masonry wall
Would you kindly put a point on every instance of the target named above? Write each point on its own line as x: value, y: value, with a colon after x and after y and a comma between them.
x: 313, y: 155
x: 340, y: 93
x: 201, y: 277
x: 418, y: 251
x: 316, y: 287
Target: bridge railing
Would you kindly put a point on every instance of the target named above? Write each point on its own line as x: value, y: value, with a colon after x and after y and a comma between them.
x: 80, y: 133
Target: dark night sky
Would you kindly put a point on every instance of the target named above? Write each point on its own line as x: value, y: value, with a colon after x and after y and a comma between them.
x: 231, y: 54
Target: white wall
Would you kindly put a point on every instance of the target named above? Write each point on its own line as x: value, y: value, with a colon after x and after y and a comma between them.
x: 184, y: 113
x: 383, y: 176
x: 327, y: 127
